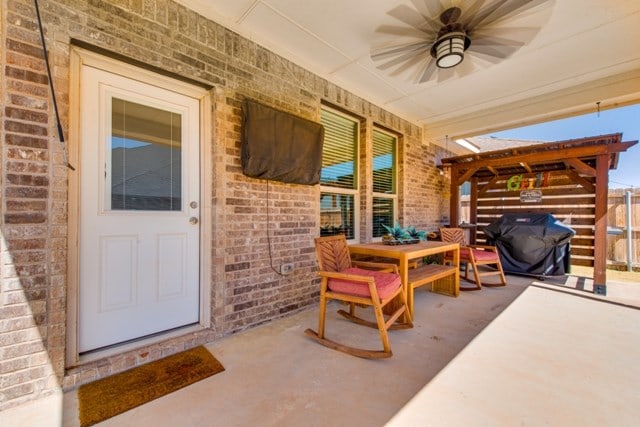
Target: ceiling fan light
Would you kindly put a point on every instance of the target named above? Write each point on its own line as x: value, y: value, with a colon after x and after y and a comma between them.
x: 449, y: 50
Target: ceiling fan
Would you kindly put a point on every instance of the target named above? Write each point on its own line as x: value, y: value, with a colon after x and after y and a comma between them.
x: 443, y: 38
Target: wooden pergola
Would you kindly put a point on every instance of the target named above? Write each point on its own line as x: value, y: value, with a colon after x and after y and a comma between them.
x: 568, y: 179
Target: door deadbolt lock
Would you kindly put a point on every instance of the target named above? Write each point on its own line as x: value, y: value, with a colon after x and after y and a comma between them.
x: 193, y: 220
x: 193, y: 205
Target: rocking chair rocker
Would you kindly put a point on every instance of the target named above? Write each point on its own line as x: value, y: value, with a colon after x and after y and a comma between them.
x: 357, y: 284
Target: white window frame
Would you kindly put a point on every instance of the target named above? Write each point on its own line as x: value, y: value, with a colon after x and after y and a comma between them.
x: 344, y: 191
x: 394, y: 196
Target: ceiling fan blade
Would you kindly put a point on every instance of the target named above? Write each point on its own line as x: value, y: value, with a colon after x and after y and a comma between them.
x: 469, y: 12
x: 398, y: 56
x: 413, y: 62
x: 504, y: 35
x: 496, y: 41
x: 395, y: 30
x: 502, y: 9
x: 431, y: 11
x: 500, y: 42
x: 495, y: 51
x: 465, y: 67
x: 483, y: 59
x: 483, y: 14
x: 382, y: 53
x: 516, y: 7
x: 413, y: 18
x: 445, y: 74
x: 428, y: 72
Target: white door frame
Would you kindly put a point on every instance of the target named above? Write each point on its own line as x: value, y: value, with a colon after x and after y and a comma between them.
x: 81, y: 57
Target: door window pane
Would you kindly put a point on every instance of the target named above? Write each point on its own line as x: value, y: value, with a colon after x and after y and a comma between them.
x: 146, y: 158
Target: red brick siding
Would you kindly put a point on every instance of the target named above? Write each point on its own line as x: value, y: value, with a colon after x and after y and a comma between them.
x: 33, y: 212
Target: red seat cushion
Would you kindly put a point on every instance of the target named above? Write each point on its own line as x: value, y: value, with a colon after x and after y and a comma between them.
x: 386, y: 283
x: 478, y: 255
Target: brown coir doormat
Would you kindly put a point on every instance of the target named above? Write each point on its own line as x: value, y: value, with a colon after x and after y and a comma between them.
x: 114, y: 395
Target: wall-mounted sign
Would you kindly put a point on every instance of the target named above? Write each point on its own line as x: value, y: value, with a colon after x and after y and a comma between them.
x: 530, y: 196
x: 519, y: 182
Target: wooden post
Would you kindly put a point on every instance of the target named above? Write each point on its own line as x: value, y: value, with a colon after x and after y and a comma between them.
x: 454, y: 198
x: 600, y: 232
x: 473, y: 210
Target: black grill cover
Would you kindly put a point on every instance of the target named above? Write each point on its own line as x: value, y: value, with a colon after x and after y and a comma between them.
x: 532, y: 244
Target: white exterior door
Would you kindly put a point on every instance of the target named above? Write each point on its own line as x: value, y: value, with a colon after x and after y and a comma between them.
x: 139, y: 210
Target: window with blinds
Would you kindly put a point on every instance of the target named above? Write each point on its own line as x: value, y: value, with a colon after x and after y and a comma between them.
x: 337, y: 212
x: 339, y: 150
x: 338, y: 177
x: 384, y: 181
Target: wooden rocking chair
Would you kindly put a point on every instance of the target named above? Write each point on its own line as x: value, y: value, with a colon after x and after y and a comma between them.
x: 357, y: 284
x: 475, y: 255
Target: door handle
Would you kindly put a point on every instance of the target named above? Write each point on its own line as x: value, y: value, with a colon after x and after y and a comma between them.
x: 193, y: 220
x: 193, y: 205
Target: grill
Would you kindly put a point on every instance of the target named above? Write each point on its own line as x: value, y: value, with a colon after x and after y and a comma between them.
x: 531, y: 244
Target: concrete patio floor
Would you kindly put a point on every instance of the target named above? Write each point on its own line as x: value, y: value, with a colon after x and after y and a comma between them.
x: 531, y: 353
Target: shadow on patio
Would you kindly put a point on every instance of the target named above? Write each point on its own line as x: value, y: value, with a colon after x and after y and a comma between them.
x: 550, y: 355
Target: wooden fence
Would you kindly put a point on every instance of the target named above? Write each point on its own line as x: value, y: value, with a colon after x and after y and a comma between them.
x: 617, y: 221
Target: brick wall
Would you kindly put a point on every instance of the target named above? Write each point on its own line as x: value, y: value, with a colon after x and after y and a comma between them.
x: 33, y: 177
x: 33, y: 221
x: 426, y: 208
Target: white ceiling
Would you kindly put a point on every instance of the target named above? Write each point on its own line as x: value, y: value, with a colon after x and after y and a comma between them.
x: 586, y: 51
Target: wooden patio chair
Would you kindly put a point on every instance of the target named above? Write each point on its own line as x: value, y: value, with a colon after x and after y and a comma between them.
x: 358, y: 284
x: 475, y: 255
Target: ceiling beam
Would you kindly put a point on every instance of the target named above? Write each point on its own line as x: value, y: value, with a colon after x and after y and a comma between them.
x: 580, y: 166
x: 587, y: 185
x: 465, y: 176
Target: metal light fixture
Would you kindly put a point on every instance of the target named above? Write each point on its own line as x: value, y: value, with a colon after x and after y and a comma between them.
x: 449, y: 49
x: 452, y: 41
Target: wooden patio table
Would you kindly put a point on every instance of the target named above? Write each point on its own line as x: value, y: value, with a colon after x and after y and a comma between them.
x: 445, y: 279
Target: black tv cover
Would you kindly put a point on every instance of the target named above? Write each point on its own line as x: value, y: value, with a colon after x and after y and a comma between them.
x: 280, y: 146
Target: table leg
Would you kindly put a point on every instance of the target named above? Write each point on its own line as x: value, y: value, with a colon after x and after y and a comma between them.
x: 393, y: 305
x: 456, y: 263
x: 408, y: 296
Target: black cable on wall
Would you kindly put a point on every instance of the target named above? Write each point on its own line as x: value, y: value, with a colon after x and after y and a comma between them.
x: 53, y: 94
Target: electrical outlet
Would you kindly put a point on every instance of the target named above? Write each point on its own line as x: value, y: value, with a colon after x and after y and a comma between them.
x: 286, y: 268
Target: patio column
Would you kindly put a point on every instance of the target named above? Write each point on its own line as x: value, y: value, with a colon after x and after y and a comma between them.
x: 473, y: 210
x: 454, y: 198
x: 600, y: 232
